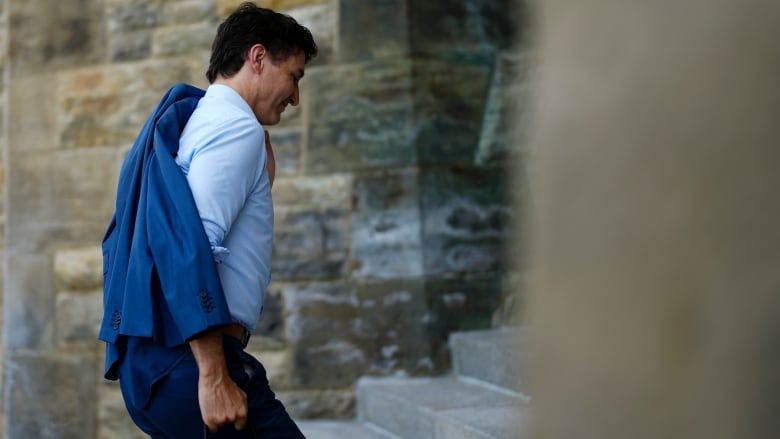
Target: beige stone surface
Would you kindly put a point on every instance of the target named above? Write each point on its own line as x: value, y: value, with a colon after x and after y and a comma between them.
x: 277, y: 366
x: 654, y: 304
x: 79, y: 269
x: 45, y: 36
x: 78, y: 318
x: 107, y: 105
x: 323, y: 191
x: 113, y: 419
x: 31, y: 95
x: 189, y: 11
x: 322, y: 19
x: 326, y: 403
x: 182, y: 39
x: 225, y: 7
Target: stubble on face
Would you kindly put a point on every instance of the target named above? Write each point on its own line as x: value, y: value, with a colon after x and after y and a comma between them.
x: 280, y: 85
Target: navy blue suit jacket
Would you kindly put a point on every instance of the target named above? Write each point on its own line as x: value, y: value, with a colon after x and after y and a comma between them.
x: 160, y: 281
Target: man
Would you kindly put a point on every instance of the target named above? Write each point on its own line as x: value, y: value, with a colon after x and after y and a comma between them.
x: 187, y: 254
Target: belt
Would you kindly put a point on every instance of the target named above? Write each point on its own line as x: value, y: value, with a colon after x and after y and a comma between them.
x: 238, y: 332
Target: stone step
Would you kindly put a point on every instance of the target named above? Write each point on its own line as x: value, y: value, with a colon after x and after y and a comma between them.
x: 496, y: 356
x: 431, y: 408
x: 346, y: 429
x: 483, y: 423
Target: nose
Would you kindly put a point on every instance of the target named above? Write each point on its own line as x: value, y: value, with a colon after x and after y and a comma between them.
x: 295, y: 99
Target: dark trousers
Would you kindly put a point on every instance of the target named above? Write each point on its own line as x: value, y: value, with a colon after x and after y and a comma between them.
x: 173, y: 411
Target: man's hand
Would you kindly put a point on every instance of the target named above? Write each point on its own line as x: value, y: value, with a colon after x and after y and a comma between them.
x: 221, y: 400
x: 271, y: 163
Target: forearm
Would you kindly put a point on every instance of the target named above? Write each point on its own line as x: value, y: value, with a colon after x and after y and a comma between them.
x: 209, y: 355
x: 220, y: 399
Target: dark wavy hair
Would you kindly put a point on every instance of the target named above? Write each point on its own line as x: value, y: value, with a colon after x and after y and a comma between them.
x: 250, y: 24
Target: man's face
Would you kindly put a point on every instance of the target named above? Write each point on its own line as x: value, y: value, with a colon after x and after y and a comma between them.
x: 278, y: 87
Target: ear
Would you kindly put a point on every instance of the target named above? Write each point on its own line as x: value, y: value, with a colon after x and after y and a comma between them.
x: 256, y: 56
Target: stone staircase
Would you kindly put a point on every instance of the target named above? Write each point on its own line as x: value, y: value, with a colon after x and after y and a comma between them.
x: 484, y: 397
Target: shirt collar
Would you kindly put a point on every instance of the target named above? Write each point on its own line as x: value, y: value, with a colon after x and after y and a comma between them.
x: 224, y: 92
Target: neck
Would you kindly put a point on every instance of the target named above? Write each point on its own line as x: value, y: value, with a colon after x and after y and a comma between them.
x: 237, y: 84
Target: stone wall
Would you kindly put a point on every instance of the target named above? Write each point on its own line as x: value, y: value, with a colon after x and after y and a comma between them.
x: 392, y: 212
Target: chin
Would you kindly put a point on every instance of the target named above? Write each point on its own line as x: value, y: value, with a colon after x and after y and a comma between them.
x: 270, y: 121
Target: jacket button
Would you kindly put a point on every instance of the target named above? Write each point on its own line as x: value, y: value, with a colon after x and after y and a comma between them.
x: 116, y: 319
x: 206, y: 302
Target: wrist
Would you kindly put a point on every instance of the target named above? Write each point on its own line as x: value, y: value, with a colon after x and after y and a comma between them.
x: 212, y: 371
x: 210, y: 356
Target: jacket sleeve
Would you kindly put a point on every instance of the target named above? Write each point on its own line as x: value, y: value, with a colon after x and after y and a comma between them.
x: 180, y: 249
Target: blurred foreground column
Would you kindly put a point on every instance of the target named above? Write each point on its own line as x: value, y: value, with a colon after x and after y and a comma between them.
x: 656, y: 227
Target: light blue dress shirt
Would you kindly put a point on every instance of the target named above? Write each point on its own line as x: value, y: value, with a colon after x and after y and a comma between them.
x: 222, y: 153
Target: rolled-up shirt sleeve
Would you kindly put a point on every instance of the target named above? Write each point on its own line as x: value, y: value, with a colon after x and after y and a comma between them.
x: 221, y: 170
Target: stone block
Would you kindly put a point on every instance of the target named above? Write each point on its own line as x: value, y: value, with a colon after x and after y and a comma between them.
x: 337, y: 332
x: 62, y: 195
x: 318, y: 299
x: 190, y: 11
x: 102, y: 106
x: 32, y: 96
x: 79, y: 269
x: 319, y: 403
x: 226, y: 7
x: 333, y: 363
x: 372, y: 30
x: 277, y: 367
x: 50, y: 396
x: 448, y: 119
x: 133, y: 15
x: 284, y: 5
x: 326, y: 350
x: 359, y: 117
x: 151, y: 79
x: 310, y: 243
x: 94, y: 109
x: 130, y: 46
x: 269, y: 333
x: 466, y: 220
x: 386, y: 226
x: 506, y: 107
x: 108, y: 106
x: 393, y: 329
x: 496, y: 356
x: 474, y: 24
x: 409, y: 407
x: 325, y: 191
x: 3, y: 51
x: 183, y: 39
x: 321, y: 18
x: 462, y: 304
x: 286, y: 144
x: 478, y: 423
x: 47, y: 36
x: 458, y: 304
x: 113, y: 420
x: 28, y: 304
x: 78, y: 317
x: 337, y: 429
